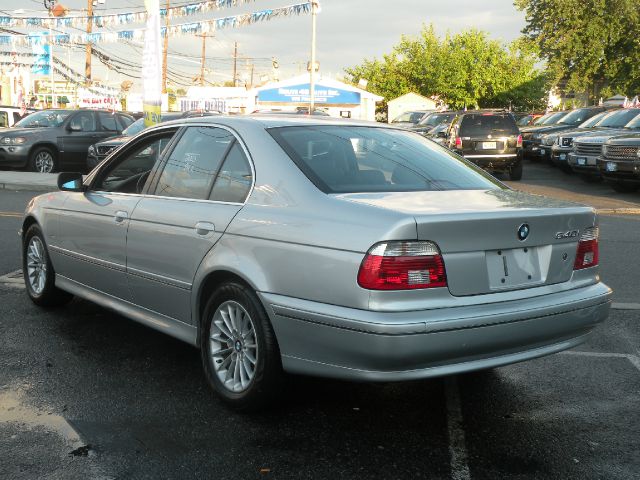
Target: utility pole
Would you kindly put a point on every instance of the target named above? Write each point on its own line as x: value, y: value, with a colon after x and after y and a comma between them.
x: 312, y: 80
x: 202, y: 55
x: 235, y: 64
x: 165, y: 47
x: 87, y: 68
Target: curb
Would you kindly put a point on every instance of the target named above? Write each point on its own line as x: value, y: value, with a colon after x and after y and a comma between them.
x: 618, y: 211
x: 28, y: 186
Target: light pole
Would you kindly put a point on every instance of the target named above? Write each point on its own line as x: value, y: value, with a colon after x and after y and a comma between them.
x: 315, y: 5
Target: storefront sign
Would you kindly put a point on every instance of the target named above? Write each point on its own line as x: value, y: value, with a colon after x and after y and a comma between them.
x: 300, y: 94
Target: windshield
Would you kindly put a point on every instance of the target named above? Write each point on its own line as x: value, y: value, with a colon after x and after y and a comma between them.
x: 411, y: 117
x: 575, y: 117
x: 553, y: 118
x: 345, y: 159
x: 524, y: 120
x: 634, y: 124
x: 543, y: 118
x: 135, y: 128
x: 590, y: 122
x: 619, y: 118
x: 45, y: 118
x: 436, y: 119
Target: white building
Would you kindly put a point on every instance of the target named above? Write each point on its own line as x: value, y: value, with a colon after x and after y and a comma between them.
x: 408, y: 102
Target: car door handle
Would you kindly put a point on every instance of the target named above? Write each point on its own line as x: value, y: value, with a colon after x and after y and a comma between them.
x: 121, y: 216
x: 204, y: 228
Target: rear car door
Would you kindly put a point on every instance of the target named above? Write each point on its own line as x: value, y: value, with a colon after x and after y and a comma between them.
x: 80, y: 131
x: 93, y: 224
x: 201, y: 186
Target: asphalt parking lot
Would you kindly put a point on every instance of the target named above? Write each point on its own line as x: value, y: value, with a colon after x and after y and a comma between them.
x: 85, y: 393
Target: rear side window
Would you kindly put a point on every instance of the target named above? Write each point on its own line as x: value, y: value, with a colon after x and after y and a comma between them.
x: 346, y: 159
x: 108, y: 122
x: 194, y: 162
x: 234, y: 178
x: 483, y: 124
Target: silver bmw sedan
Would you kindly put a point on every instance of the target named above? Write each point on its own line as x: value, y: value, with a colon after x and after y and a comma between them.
x: 317, y: 246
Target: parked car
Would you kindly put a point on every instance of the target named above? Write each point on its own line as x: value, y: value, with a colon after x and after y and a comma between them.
x: 491, y: 140
x: 433, y: 120
x: 543, y: 138
x: 527, y: 132
x: 411, y: 118
x: 527, y: 119
x: 587, y: 149
x: 416, y: 263
x: 9, y: 116
x: 99, y: 151
x: 619, y: 164
x: 563, y: 144
x: 48, y: 140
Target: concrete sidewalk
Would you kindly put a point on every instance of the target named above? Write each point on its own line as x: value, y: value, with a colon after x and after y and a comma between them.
x: 38, y: 182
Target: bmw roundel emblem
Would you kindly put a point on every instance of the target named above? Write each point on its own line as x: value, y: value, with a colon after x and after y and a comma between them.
x: 523, y: 232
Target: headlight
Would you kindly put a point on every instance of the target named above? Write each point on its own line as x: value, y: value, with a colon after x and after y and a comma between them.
x: 549, y: 139
x: 638, y: 153
x: 536, y: 136
x: 91, y: 150
x: 12, y: 140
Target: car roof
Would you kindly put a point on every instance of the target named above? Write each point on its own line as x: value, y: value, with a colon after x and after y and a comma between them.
x: 267, y: 121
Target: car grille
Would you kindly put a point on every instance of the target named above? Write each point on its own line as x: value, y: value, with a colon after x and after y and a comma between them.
x: 566, y: 141
x: 588, y: 148
x: 621, y: 152
x: 103, y: 150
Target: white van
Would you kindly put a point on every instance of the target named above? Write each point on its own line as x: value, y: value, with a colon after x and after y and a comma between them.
x: 10, y: 115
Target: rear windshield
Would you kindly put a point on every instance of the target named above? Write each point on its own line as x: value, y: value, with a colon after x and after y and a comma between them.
x: 345, y: 159
x: 619, y: 118
x: 576, y: 117
x: 483, y: 124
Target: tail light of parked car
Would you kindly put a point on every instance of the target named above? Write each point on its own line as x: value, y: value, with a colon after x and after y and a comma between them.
x: 519, y: 141
x: 587, y: 254
x: 402, y: 265
x: 458, y: 142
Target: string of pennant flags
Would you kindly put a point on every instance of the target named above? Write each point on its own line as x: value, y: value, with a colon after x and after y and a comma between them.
x: 116, y: 19
x: 203, y: 26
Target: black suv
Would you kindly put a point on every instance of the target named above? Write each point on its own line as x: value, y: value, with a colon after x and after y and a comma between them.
x: 50, y: 140
x: 619, y: 163
x: 489, y: 139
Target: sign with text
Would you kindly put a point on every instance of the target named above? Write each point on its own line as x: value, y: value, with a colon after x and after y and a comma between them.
x: 301, y: 94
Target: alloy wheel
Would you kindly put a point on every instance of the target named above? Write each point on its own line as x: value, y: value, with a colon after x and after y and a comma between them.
x: 44, y: 162
x: 233, y: 346
x: 36, y: 265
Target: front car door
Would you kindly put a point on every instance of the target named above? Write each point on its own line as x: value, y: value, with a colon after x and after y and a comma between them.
x: 93, y: 224
x: 201, y: 186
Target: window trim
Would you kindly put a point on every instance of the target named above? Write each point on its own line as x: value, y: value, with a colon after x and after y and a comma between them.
x: 237, y: 139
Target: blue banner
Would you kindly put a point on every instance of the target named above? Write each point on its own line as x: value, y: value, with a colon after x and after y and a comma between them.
x: 300, y: 94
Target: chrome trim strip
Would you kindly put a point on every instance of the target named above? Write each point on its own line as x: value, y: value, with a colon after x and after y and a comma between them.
x: 157, y: 321
x: 89, y: 259
x: 172, y: 282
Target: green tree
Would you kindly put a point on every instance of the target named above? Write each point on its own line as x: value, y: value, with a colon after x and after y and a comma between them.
x: 466, y: 69
x: 590, y: 46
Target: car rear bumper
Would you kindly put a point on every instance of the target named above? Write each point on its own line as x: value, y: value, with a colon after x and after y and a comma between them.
x: 326, y: 340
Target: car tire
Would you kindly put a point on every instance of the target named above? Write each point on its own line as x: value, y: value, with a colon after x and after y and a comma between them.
x: 43, y: 160
x: 516, y: 172
x: 239, y: 350
x: 624, y: 187
x: 38, y: 273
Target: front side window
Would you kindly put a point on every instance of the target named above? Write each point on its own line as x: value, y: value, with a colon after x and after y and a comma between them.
x: 345, y: 159
x: 129, y: 172
x: 84, y: 122
x: 108, y: 122
x: 194, y: 162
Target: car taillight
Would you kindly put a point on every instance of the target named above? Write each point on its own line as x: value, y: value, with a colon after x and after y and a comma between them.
x: 458, y: 142
x: 403, y: 265
x: 587, y: 254
x: 519, y: 141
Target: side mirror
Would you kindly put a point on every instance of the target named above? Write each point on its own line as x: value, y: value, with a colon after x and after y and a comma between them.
x: 442, y: 134
x: 74, y: 127
x: 70, y: 182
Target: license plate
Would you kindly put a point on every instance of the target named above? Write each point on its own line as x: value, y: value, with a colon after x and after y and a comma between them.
x: 516, y: 266
x: 581, y: 160
x: 488, y: 145
x: 563, y: 156
x: 612, y: 167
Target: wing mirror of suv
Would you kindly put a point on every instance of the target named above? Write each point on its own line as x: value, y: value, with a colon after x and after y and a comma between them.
x: 442, y: 134
x: 70, y: 182
x: 74, y: 127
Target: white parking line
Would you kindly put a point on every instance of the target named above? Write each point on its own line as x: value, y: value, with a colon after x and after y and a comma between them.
x: 457, y: 443
x: 634, y: 359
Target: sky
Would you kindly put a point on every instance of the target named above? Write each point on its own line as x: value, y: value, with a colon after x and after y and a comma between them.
x: 348, y: 31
